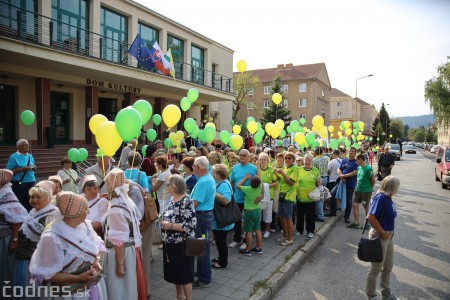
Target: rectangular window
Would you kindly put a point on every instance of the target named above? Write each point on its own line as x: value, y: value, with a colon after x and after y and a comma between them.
x: 302, y: 102
x: 285, y: 88
x: 114, y: 28
x: 323, y: 93
x: 149, y: 34
x: 251, y: 92
x: 267, y: 103
x: 339, y: 104
x: 339, y: 114
x: 302, y: 87
x: 266, y: 90
x: 302, y: 116
x: 198, y: 65
x: 176, y: 46
x: 285, y: 103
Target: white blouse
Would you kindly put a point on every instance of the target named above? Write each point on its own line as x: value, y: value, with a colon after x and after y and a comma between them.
x: 98, y: 207
x: 10, y: 207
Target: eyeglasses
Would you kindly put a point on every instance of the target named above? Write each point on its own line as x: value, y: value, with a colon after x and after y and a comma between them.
x: 243, y: 155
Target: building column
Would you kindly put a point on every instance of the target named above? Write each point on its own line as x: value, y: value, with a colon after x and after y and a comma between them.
x: 129, y: 99
x: 91, y: 104
x: 42, y: 86
x: 160, y: 103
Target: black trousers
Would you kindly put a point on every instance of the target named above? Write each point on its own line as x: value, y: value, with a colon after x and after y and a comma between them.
x: 21, y: 192
x: 307, y: 210
x: 333, y: 204
x: 237, y: 231
x: 220, y: 236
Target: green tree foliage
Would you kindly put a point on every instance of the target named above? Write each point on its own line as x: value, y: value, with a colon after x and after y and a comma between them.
x: 437, y: 93
x: 243, y: 84
x: 381, y: 125
x: 397, y: 129
x: 417, y: 134
x: 405, y: 131
x: 274, y: 112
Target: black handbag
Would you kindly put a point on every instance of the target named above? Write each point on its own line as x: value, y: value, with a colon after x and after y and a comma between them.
x: 370, y: 250
x: 194, y: 246
x: 379, y: 178
x: 226, y: 214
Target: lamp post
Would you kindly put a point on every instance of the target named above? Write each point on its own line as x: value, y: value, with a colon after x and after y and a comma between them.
x: 370, y: 75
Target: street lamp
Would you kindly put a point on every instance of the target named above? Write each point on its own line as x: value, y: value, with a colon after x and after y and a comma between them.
x: 370, y: 75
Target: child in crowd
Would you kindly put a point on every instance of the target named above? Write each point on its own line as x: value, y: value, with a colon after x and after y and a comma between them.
x: 252, y: 214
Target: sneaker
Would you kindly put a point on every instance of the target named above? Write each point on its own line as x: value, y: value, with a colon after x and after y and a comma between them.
x: 200, y: 285
x: 272, y: 229
x: 346, y: 221
x: 257, y: 251
x: 310, y: 235
x: 287, y: 243
x: 390, y: 297
x: 243, y: 246
x: 353, y: 225
x: 297, y: 233
x: 254, y: 233
x: 233, y: 245
x: 320, y: 220
x: 266, y: 234
x: 367, y: 227
x: 281, y: 239
x: 245, y: 252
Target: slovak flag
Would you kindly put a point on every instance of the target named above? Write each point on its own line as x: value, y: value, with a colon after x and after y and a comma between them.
x: 158, y: 58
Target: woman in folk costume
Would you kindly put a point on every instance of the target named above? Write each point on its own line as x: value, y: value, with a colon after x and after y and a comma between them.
x: 42, y: 213
x: 125, y: 277
x: 68, y: 255
x: 12, y: 214
x: 98, y: 206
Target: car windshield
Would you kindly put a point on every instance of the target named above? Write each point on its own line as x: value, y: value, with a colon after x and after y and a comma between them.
x: 447, y: 155
x: 394, y: 147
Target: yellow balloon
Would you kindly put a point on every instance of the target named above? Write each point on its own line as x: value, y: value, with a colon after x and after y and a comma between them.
x: 339, y: 133
x: 347, y: 124
x: 236, y: 142
x: 323, y: 132
x: 280, y: 123
x: 176, y: 143
x: 318, y: 121
x: 275, y: 131
x: 211, y: 125
x: 348, y: 131
x: 276, y: 98
x: 361, y: 125
x: 299, y: 138
x: 331, y: 128
x: 171, y: 115
x: 173, y: 136
x: 178, y: 150
x: 242, y: 66
x: 95, y: 121
x: 252, y: 127
x: 236, y: 129
x: 331, y: 134
x: 180, y: 135
x: 211, y: 119
x: 107, y: 138
x: 267, y: 127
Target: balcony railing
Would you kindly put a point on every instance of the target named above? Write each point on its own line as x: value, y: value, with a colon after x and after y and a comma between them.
x: 34, y: 28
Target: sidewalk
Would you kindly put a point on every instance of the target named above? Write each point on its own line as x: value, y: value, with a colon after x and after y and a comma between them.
x: 266, y: 272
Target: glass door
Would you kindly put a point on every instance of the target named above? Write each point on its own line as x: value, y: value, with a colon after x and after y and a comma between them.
x: 60, y: 117
x: 107, y: 107
x: 7, y: 115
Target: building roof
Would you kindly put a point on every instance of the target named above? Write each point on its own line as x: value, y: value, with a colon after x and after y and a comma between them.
x: 338, y: 93
x: 289, y: 72
x: 362, y: 102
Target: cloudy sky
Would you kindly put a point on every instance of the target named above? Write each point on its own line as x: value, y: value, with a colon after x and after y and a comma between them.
x: 400, y: 42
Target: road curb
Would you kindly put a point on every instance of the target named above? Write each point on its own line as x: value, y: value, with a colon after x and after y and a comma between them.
x: 279, y: 278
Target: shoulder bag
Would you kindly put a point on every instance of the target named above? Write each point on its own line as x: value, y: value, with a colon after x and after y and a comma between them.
x: 226, y: 214
x: 193, y: 246
x: 370, y: 250
x: 150, y: 210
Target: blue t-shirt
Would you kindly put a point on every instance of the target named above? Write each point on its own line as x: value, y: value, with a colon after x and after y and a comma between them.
x: 224, y: 188
x: 143, y: 182
x: 238, y: 172
x: 18, y: 160
x: 204, y: 192
x: 390, y: 213
x: 348, y: 166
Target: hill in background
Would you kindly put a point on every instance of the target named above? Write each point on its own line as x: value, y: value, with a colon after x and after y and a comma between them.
x: 417, y: 121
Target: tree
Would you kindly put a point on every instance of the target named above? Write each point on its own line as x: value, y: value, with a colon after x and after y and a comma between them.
x: 405, y: 131
x: 274, y: 112
x: 397, y: 129
x: 437, y: 93
x: 381, y: 125
x: 417, y: 134
x: 243, y: 84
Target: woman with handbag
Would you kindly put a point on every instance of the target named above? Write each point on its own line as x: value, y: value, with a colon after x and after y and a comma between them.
x: 178, y: 223
x: 224, y: 195
x: 382, y: 216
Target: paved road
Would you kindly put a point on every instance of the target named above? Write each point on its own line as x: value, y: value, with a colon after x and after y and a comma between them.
x: 422, y: 245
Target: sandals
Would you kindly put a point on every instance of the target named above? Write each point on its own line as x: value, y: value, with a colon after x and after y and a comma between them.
x: 217, y: 266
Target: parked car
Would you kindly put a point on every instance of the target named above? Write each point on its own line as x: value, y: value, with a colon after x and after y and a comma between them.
x: 394, y: 150
x: 410, y: 149
x: 434, y: 148
x: 442, y: 168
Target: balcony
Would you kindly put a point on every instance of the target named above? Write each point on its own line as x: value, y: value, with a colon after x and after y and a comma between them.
x: 29, y: 27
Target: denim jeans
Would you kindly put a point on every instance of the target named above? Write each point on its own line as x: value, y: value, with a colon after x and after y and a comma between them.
x: 333, y: 204
x: 204, y: 222
x: 319, y: 210
x: 348, y: 208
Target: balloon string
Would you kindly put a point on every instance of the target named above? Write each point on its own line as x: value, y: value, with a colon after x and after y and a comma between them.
x: 134, y: 155
x: 29, y: 134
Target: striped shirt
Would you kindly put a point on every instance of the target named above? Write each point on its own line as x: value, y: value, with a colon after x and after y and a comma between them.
x: 321, y: 163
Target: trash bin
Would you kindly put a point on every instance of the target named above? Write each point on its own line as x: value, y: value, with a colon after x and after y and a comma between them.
x: 50, y: 137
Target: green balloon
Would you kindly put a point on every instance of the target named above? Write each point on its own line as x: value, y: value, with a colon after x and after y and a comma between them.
x: 310, y: 137
x: 280, y: 143
x: 283, y: 134
x: 185, y: 104
x: 144, y: 150
x: 289, y: 129
x: 231, y: 122
x: 145, y: 110
x: 315, y: 144
x: 249, y: 119
x: 334, y: 144
x: 201, y: 135
x: 74, y: 155
x: 260, y: 131
x: 156, y: 119
x: 258, y: 138
x: 83, y: 154
x: 259, y: 125
x: 302, y: 121
x: 356, y: 146
x: 210, y: 134
x: 374, y: 149
x: 128, y: 123
x: 295, y: 125
x: 347, y: 143
x: 300, y: 129
x: 355, y: 131
x: 151, y: 134
x: 192, y: 95
x: 195, y: 132
x: 189, y: 125
x: 225, y: 136
x: 168, y: 143
x: 27, y: 117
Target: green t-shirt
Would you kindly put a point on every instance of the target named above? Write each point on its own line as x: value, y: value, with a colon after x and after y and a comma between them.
x: 251, y: 195
x: 364, y: 184
x: 284, y: 187
x: 268, y: 176
x: 307, y: 180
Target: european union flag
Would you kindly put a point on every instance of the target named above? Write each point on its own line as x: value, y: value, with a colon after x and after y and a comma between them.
x: 140, y: 51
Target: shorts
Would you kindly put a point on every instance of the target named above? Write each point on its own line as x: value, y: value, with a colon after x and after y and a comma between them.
x: 252, y: 220
x: 362, y: 197
x: 285, y: 209
x: 267, y: 213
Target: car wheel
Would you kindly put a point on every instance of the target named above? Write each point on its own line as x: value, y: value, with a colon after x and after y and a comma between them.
x: 443, y: 185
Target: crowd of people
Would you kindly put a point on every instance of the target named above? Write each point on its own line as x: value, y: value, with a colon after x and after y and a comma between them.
x: 84, y: 233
